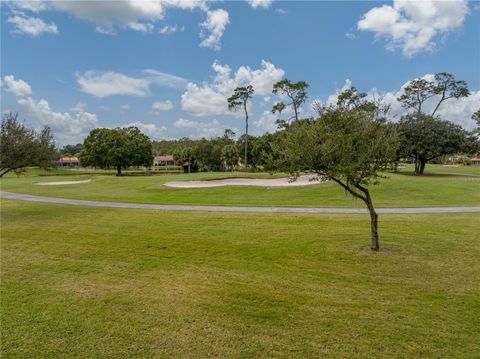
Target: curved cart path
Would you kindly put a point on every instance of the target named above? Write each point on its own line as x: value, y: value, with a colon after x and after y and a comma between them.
x: 186, y: 207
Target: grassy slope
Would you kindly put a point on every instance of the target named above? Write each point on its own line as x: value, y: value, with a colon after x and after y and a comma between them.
x: 399, y: 190
x: 91, y: 282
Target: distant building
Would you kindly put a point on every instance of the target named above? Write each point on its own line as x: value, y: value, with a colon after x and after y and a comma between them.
x: 68, y: 161
x: 475, y: 161
x: 166, y: 160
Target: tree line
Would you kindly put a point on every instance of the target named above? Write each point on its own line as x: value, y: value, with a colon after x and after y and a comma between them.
x: 351, y: 143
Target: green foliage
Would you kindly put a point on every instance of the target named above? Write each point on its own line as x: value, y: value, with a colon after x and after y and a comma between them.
x: 239, y: 99
x: 424, y: 138
x: 295, y: 91
x: 230, y: 156
x: 71, y: 150
x: 21, y: 146
x: 418, y: 91
x: 119, y: 148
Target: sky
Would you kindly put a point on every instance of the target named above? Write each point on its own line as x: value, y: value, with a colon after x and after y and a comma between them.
x: 168, y: 66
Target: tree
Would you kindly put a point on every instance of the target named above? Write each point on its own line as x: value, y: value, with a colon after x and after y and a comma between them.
x: 71, y: 150
x: 118, y: 148
x: 239, y: 99
x: 295, y: 91
x: 184, y: 156
x: 476, y: 118
x: 444, y: 85
x: 424, y: 138
x: 348, y: 146
x: 21, y: 146
x: 230, y: 156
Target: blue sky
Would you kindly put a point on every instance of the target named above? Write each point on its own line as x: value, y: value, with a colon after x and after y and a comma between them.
x: 168, y: 66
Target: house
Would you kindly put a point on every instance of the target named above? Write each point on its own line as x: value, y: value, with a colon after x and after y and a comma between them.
x: 68, y: 161
x: 475, y: 161
x: 166, y: 160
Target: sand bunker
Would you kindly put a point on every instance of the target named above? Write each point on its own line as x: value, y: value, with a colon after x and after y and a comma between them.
x: 59, y: 183
x: 259, y: 182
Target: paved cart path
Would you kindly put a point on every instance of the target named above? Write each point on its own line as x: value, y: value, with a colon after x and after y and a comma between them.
x: 186, y: 207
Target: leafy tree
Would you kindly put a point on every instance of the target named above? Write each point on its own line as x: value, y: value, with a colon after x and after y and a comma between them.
x: 295, y: 91
x: 424, y: 138
x: 71, y: 150
x: 118, y: 148
x: 418, y: 91
x: 350, y: 146
x: 242, y: 140
x: 184, y: 156
x: 447, y: 87
x: 239, y: 99
x: 21, y: 146
x: 230, y: 156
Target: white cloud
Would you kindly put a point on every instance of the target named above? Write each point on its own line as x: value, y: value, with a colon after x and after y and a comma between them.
x: 267, y: 122
x: 181, y: 123
x: 165, y: 79
x: 170, y: 29
x: 216, y: 22
x: 31, y: 25
x: 19, y: 88
x: 125, y: 107
x: 207, y: 129
x: 149, y: 129
x: 457, y: 111
x: 137, y: 15
x: 66, y: 128
x: 281, y: 11
x: 413, y: 26
x: 139, y: 26
x: 260, y: 3
x: 211, y: 99
x: 79, y: 107
x: 112, y: 83
x: 162, y: 105
x: 104, y: 84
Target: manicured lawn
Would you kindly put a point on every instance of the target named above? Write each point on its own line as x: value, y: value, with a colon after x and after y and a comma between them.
x: 103, y: 283
x: 398, y: 190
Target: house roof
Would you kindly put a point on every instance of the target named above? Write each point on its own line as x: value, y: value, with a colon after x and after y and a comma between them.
x: 164, y: 158
x: 68, y: 159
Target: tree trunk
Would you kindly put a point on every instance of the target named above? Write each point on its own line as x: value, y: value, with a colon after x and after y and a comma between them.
x: 420, y: 166
x: 374, y: 246
x: 373, y: 224
x: 188, y: 166
x: 246, y: 135
x: 119, y: 170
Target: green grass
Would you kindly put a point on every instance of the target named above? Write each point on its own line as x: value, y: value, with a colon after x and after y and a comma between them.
x: 399, y: 190
x: 103, y: 283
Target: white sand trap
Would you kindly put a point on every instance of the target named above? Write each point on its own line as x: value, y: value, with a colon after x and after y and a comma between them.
x: 259, y: 182
x: 60, y: 183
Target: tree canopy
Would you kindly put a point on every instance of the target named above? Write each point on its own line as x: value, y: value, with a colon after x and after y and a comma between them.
x: 118, y: 148
x: 350, y: 146
x: 21, y: 146
x: 424, y: 138
x: 295, y: 91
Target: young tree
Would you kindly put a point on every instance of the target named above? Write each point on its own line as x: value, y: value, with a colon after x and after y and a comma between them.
x: 424, y: 138
x: 418, y: 91
x: 21, y: 146
x: 239, y: 99
x: 295, y: 91
x: 230, y: 156
x: 350, y: 146
x: 118, y: 148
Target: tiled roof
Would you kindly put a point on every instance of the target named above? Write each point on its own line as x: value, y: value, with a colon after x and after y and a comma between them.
x: 164, y: 158
x: 68, y: 159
